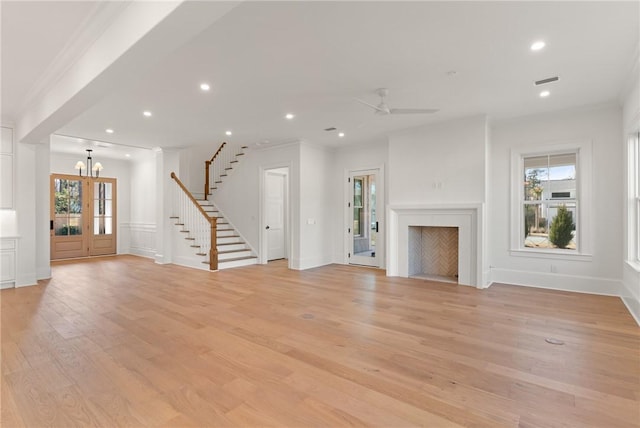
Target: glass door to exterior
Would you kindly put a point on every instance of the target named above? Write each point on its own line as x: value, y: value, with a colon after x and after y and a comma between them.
x: 82, y: 216
x: 364, y: 222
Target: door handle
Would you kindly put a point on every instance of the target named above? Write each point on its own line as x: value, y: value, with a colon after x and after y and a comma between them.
x: 267, y: 227
x: 376, y: 227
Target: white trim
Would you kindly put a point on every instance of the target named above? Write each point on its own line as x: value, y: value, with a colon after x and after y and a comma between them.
x: 468, y: 217
x: 142, y: 239
x: 556, y: 281
x: 263, y: 257
x: 12, y: 156
x: 86, y: 34
x: 289, y: 233
x: 570, y: 255
x: 633, y: 306
x: 584, y: 189
x: 380, y: 214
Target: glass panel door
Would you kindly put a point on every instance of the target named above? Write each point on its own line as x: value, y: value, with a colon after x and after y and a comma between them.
x: 102, y: 208
x: 103, y: 223
x: 67, y: 237
x: 365, y: 226
x: 83, y: 216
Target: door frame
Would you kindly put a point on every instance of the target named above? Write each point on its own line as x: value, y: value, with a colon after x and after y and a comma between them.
x: 381, y: 211
x: 88, y: 213
x: 288, y: 231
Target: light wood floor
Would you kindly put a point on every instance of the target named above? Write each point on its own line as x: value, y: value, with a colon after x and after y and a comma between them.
x: 120, y: 341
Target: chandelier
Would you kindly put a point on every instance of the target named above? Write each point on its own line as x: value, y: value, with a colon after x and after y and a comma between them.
x: 90, y: 167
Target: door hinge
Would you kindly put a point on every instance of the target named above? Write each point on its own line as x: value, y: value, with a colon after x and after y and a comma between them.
x: 349, y: 230
x: 349, y: 180
x: 349, y: 255
x: 349, y: 204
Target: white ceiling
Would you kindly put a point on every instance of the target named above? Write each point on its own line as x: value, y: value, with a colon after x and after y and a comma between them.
x: 264, y: 59
x: 33, y: 34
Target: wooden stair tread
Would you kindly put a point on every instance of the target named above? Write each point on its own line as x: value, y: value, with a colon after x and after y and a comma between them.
x: 201, y: 254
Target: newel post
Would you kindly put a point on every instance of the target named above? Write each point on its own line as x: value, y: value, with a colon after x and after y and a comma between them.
x: 213, y: 253
x: 207, y: 164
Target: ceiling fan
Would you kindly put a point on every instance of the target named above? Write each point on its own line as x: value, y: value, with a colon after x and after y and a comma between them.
x: 384, y: 109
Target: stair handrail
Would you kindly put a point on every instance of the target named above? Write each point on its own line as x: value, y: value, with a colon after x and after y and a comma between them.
x: 207, y: 165
x: 213, y: 252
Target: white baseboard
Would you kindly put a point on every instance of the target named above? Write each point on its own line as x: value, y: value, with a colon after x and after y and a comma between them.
x: 309, y: 263
x: 555, y: 281
x: 43, y: 273
x: 191, y: 263
x: 143, y: 252
x: 633, y: 306
x: 26, y: 280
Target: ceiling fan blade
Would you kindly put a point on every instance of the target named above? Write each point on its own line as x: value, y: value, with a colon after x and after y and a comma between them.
x: 370, y: 105
x: 413, y: 110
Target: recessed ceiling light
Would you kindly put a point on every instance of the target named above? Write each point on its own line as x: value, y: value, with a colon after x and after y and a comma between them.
x: 109, y: 131
x: 544, y: 94
x: 289, y: 116
x: 228, y: 133
x: 205, y: 86
x: 146, y: 113
x: 340, y: 134
x: 127, y: 155
x: 536, y: 46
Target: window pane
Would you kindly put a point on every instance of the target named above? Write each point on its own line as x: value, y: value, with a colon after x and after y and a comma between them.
x: 536, y: 174
x: 61, y: 196
x: 562, y: 225
x: 75, y: 224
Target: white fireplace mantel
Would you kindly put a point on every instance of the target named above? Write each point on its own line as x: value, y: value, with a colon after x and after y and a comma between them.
x: 467, y: 217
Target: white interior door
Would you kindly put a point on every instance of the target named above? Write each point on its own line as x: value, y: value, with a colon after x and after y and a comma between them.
x: 275, y: 211
x: 364, y: 225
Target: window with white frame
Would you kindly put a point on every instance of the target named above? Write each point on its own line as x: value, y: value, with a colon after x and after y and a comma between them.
x: 550, y: 188
x: 550, y: 202
x: 634, y: 196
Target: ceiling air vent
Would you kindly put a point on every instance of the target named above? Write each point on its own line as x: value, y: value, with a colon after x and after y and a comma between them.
x: 547, y: 80
x: 330, y: 129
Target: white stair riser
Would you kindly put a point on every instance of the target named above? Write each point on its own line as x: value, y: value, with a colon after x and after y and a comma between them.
x: 236, y: 263
x: 224, y: 233
x: 233, y: 247
x: 245, y: 253
x: 229, y: 240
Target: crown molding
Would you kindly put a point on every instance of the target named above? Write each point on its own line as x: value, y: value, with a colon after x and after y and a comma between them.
x: 88, y: 31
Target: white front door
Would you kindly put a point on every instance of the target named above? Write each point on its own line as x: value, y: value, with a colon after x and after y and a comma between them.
x: 275, y: 211
x: 364, y: 226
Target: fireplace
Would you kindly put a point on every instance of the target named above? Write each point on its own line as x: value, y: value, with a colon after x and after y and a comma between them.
x: 433, y: 253
x: 406, y: 222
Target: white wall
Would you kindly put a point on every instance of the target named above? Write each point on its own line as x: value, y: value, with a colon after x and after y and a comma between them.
x: 315, y: 207
x: 141, y: 228
x: 439, y: 163
x: 601, y: 125
x: 192, y: 166
x: 630, y: 269
x: 62, y: 163
x: 372, y: 154
x: 443, y: 164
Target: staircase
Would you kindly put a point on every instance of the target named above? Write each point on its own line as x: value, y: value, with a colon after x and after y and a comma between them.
x: 202, y: 224
x: 232, y: 250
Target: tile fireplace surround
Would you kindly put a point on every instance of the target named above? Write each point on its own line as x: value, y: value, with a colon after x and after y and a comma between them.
x: 468, y: 218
